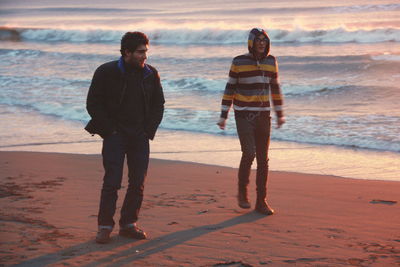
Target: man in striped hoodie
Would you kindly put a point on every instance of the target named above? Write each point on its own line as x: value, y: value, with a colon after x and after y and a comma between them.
x: 253, y: 81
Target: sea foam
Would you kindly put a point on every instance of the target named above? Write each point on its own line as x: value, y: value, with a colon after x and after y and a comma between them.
x: 204, y: 36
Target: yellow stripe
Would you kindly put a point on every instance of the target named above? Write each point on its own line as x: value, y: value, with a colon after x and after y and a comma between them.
x: 253, y: 98
x: 227, y: 97
x: 253, y: 68
x: 276, y: 97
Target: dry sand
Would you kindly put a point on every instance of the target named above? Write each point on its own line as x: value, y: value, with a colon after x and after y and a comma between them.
x: 49, y: 204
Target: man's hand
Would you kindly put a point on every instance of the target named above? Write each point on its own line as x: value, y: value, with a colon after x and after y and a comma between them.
x: 221, y: 123
x: 280, y: 121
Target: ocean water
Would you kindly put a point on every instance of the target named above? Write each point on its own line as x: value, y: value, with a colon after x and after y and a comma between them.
x: 339, y: 64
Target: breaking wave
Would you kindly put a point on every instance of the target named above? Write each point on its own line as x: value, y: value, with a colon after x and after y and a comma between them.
x: 203, y: 36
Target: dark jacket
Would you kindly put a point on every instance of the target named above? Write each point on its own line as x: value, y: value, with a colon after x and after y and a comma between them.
x: 107, y: 91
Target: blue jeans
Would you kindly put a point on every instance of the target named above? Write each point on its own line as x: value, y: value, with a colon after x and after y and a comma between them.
x: 137, y: 151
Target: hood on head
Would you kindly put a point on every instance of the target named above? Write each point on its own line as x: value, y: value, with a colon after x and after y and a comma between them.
x: 254, y: 33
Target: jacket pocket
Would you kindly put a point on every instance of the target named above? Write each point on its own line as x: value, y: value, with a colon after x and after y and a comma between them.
x: 91, y: 127
x: 94, y: 127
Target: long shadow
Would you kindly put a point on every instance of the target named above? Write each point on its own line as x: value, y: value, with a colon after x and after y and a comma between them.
x: 170, y: 240
x: 140, y: 251
x: 71, y: 252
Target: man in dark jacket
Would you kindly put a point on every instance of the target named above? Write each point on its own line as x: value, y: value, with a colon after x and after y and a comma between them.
x: 126, y: 103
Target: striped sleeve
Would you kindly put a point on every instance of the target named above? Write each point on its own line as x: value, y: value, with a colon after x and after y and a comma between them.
x: 276, y: 93
x: 229, y: 92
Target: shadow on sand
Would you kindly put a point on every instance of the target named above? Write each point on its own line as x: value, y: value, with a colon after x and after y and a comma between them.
x: 131, y: 254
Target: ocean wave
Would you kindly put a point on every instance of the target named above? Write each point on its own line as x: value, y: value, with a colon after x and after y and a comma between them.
x: 198, y: 89
x: 366, y: 8
x: 293, y: 90
x: 285, y: 61
x: 12, y: 53
x: 376, y: 132
x: 204, y: 36
x: 206, y: 87
x: 307, y: 9
x: 386, y: 57
x: 209, y: 88
x: 52, y: 96
x: 323, y: 59
x: 356, y: 132
x: 196, y: 85
x: 32, y: 54
x: 67, y: 102
x: 73, y: 10
x: 259, y: 10
x: 350, y: 131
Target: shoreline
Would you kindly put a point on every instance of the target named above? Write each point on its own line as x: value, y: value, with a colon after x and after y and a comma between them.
x: 49, y: 204
x: 225, y: 151
x: 177, y: 161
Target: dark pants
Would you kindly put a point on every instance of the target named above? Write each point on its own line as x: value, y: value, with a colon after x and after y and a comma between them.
x: 115, y: 147
x: 254, y: 135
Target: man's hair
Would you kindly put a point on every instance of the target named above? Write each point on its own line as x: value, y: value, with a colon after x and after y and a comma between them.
x: 131, y: 40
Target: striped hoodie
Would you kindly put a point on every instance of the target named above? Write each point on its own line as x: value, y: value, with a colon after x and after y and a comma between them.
x: 251, y: 82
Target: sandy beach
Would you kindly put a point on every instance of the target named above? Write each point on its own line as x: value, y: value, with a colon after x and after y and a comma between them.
x: 334, y: 165
x: 49, y: 203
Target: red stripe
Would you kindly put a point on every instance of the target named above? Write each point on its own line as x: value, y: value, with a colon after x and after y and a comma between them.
x: 252, y: 86
x: 275, y: 89
x: 250, y: 104
x: 246, y: 74
x: 231, y: 86
x: 226, y: 102
x: 233, y: 74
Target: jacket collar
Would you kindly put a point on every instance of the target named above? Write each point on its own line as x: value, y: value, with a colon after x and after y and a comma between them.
x: 147, y: 71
